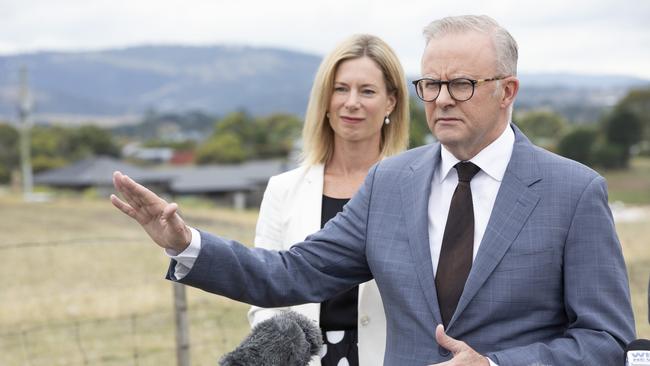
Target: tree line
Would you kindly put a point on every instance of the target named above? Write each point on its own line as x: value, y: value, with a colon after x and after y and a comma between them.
x: 239, y: 136
x: 53, y: 146
x: 610, y: 143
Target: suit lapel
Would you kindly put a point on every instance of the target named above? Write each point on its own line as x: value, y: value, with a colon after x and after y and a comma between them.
x: 415, y: 190
x: 514, y: 204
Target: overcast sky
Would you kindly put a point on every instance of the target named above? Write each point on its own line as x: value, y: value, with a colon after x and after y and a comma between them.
x: 587, y: 36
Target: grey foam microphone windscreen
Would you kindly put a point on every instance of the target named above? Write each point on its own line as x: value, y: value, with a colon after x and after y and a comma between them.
x: 286, y: 339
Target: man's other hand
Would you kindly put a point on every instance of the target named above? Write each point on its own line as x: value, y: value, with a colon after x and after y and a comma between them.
x: 464, y: 355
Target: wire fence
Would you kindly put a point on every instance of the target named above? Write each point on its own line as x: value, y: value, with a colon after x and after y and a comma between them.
x: 76, y: 343
x: 136, y: 339
x: 66, y: 242
x: 141, y: 337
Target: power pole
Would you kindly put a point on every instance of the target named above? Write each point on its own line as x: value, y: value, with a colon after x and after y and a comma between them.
x: 24, y: 113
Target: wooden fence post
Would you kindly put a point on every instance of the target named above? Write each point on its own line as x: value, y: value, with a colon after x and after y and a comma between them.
x: 182, y: 325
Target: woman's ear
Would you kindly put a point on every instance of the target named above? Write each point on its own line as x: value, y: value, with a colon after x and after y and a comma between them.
x: 392, y: 102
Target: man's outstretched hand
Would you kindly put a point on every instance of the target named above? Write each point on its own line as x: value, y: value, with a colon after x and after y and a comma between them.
x: 157, y: 217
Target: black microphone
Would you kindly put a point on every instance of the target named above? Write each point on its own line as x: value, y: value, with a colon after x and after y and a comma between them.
x: 637, y: 353
x: 286, y: 339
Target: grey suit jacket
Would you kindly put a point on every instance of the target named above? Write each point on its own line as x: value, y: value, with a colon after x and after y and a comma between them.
x: 548, y: 285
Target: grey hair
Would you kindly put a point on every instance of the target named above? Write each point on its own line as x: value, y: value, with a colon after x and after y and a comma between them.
x: 504, y: 44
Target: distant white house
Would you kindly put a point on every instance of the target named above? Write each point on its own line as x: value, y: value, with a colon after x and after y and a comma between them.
x: 150, y: 154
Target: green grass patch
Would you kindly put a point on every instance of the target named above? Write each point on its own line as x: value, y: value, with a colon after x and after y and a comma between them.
x: 632, y: 185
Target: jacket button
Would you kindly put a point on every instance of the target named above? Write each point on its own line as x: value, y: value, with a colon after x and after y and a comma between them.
x: 365, y: 320
x: 443, y: 351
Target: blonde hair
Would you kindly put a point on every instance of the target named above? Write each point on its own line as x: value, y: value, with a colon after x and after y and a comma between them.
x: 317, y: 134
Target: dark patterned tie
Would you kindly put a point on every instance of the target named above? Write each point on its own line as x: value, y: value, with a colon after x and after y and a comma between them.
x: 455, y: 259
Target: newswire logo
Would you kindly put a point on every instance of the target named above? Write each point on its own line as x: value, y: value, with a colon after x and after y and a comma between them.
x: 638, y: 358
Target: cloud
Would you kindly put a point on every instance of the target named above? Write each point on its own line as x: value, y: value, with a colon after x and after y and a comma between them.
x: 600, y: 36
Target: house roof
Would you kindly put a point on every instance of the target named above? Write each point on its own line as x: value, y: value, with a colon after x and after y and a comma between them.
x: 96, y: 171
x: 224, y: 178
x: 183, y: 180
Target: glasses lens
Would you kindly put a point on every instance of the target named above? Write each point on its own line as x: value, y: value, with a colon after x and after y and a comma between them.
x: 461, y: 89
x: 428, y: 90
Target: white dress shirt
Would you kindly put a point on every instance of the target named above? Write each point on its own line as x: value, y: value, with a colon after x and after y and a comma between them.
x: 185, y: 259
x: 493, y: 161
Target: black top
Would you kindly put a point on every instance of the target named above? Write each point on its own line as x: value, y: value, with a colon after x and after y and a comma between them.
x: 339, y: 312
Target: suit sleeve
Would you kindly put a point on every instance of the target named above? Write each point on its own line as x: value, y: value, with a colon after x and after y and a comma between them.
x: 269, y: 234
x: 596, y: 293
x: 326, y: 263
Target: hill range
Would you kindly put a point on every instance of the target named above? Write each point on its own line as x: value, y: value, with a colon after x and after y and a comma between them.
x: 114, y: 84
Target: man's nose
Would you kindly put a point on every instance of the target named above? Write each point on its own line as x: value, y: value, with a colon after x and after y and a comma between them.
x: 444, y: 97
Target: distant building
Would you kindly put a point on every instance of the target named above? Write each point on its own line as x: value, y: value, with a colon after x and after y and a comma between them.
x: 240, y: 186
x: 148, y: 154
x: 97, y: 172
x: 181, y: 157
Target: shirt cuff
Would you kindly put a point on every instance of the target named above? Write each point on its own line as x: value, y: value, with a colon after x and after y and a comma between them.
x: 185, y: 259
x: 491, y: 362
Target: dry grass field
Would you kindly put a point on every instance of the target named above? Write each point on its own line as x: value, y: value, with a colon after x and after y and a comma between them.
x: 83, y: 285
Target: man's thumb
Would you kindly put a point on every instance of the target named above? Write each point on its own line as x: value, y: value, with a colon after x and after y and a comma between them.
x: 447, y: 342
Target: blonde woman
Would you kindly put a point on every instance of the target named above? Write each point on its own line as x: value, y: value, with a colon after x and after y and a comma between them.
x: 357, y: 114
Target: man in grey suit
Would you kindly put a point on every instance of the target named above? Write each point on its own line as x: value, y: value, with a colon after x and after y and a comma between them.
x: 512, y: 248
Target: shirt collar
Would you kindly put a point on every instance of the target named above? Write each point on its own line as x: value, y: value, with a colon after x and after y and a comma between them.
x: 493, y: 159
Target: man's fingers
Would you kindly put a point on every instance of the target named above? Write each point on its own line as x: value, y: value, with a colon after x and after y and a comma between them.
x: 121, y: 182
x: 134, y: 193
x: 122, y: 206
x: 121, y: 185
x: 447, y: 342
x: 138, y: 195
x: 130, y: 194
x: 143, y: 195
x: 128, y: 206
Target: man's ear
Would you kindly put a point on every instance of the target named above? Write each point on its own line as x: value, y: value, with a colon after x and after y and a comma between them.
x: 510, y: 89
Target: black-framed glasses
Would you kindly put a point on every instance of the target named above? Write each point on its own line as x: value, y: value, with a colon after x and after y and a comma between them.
x: 460, y: 89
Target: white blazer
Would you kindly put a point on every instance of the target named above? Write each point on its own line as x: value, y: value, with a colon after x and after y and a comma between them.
x: 290, y: 211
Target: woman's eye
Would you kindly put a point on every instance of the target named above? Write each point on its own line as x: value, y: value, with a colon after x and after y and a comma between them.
x: 368, y: 92
x: 340, y: 89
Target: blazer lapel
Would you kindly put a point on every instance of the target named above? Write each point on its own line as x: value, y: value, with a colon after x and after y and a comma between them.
x: 415, y: 190
x: 514, y: 204
x: 312, y: 199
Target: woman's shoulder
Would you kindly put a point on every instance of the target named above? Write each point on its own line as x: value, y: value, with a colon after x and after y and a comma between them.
x: 288, y: 179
